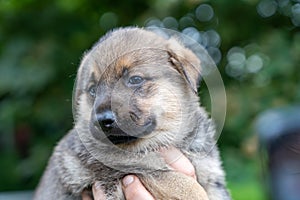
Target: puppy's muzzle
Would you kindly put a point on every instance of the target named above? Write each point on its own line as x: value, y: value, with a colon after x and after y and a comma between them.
x: 107, y: 121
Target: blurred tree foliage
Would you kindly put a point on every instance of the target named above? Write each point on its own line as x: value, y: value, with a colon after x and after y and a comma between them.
x: 42, y: 43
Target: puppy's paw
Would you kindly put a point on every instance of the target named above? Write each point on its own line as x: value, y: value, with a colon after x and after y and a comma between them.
x: 174, y: 185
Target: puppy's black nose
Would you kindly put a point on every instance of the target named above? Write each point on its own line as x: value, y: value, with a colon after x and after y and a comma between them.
x: 106, y: 119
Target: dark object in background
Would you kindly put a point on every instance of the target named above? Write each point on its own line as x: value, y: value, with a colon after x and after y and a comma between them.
x: 279, y: 132
x: 22, y: 139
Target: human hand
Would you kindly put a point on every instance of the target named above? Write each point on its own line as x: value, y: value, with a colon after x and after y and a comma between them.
x: 132, y: 186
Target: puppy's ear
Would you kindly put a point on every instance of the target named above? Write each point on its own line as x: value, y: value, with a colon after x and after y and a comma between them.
x: 80, y: 80
x: 185, y: 62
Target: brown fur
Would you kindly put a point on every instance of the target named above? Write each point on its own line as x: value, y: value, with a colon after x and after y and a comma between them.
x: 164, y: 111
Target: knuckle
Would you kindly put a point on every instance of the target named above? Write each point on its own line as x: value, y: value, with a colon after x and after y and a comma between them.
x: 137, y: 191
x: 132, y: 193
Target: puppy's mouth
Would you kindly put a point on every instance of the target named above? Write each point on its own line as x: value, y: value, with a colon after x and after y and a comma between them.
x: 122, y: 139
x: 118, y: 136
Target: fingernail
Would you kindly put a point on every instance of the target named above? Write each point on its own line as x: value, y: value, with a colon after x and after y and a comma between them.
x: 98, y: 185
x: 127, y: 180
x: 98, y: 191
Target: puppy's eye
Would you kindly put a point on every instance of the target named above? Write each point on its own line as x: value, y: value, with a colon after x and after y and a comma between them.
x: 92, y: 91
x: 135, y: 80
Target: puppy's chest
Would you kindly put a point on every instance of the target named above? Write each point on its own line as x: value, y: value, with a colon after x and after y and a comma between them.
x: 110, y: 178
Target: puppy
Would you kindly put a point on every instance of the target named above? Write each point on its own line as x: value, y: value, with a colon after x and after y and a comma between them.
x: 136, y: 93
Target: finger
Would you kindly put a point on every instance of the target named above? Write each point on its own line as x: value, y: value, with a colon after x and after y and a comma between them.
x: 134, y: 189
x: 85, y: 195
x: 176, y: 160
x: 98, y: 192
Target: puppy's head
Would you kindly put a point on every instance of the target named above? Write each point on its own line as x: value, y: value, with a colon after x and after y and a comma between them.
x: 137, y: 90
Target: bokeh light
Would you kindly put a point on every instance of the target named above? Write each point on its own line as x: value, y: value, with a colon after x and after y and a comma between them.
x: 204, y: 13
x: 289, y: 8
x: 186, y: 21
x: 267, y: 8
x: 236, y: 61
x: 244, y: 61
x: 108, y: 21
x: 170, y: 22
x: 215, y: 54
x: 212, y: 38
x: 254, y: 63
x: 153, y: 22
x: 209, y: 38
x: 193, y: 33
x: 296, y: 14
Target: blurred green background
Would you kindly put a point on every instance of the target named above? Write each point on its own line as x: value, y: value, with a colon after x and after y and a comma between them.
x: 255, y: 43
